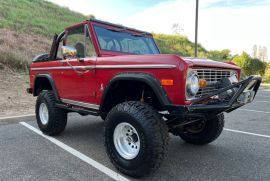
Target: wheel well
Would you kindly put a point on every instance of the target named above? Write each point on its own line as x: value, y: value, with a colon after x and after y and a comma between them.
x: 41, y: 83
x: 126, y: 90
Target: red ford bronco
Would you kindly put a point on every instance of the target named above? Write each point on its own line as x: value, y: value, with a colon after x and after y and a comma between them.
x: 117, y: 73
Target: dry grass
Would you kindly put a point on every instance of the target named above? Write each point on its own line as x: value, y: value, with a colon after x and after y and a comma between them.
x: 18, y: 49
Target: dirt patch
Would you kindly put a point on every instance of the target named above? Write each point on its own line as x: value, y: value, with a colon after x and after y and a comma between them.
x: 18, y: 49
x: 13, y: 97
x: 16, y: 52
x: 22, y: 44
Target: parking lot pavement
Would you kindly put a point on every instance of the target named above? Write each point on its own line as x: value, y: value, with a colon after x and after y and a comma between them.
x: 25, y: 155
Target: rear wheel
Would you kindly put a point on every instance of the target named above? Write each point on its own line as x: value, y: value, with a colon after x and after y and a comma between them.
x: 50, y: 119
x: 203, y: 132
x: 136, y: 138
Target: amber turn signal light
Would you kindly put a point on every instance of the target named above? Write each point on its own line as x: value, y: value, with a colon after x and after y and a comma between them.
x: 166, y: 82
x: 202, y: 83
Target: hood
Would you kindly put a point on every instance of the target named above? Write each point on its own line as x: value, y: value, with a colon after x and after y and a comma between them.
x: 167, y: 59
x: 198, y: 62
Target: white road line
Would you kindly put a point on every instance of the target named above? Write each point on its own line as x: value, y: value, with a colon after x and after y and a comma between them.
x: 248, y: 133
x: 250, y: 110
x: 79, y: 155
x: 262, y: 96
x: 20, y: 116
x: 264, y: 90
x: 263, y: 101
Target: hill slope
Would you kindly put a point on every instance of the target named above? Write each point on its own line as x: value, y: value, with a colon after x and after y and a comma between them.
x: 27, y: 26
x: 177, y: 44
x: 36, y: 16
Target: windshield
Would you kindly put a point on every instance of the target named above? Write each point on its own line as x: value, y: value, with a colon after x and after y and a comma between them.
x: 118, y: 40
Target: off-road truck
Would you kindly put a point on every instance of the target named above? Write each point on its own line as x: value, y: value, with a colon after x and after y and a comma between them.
x: 115, y: 72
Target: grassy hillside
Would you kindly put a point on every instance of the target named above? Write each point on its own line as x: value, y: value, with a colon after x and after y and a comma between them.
x: 27, y: 27
x: 36, y: 16
x: 177, y: 44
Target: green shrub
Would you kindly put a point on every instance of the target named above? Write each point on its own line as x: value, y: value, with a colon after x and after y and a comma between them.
x: 250, y: 66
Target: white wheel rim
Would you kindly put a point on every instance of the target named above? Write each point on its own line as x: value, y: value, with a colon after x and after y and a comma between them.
x: 126, y: 140
x: 43, y: 113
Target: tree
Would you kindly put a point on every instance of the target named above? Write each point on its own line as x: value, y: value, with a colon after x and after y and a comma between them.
x: 250, y: 66
x: 223, y: 55
x: 258, y: 66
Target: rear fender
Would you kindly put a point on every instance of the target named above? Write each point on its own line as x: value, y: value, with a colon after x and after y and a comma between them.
x: 51, y: 81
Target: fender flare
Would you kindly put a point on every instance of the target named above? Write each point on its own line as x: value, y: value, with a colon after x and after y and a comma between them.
x: 148, y: 79
x: 50, y: 79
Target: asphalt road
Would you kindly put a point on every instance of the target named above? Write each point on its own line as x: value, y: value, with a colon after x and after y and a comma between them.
x: 27, y: 155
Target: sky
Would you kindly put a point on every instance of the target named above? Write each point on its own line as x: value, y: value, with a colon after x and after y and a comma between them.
x: 233, y: 24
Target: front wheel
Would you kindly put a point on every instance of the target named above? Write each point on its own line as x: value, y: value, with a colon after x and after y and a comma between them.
x: 136, y: 138
x: 203, y: 132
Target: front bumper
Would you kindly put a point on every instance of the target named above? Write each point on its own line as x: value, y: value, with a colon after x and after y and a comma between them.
x: 244, y: 92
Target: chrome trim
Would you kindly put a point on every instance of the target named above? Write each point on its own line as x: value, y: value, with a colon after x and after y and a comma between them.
x: 213, y: 68
x: 86, y: 59
x: 212, y: 76
x: 135, y: 66
x: 82, y: 104
x: 65, y: 68
x: 68, y: 51
x: 155, y: 66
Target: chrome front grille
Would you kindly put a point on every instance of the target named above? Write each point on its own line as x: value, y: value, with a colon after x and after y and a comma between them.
x: 212, y: 77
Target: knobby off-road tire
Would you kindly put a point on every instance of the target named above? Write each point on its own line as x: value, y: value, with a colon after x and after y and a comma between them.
x: 54, y: 121
x: 149, y: 129
x: 211, y: 131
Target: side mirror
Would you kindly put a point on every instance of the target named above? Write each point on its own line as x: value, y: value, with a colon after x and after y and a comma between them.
x: 68, y: 52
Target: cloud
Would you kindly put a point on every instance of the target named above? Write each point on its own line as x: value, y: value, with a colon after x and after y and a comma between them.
x: 219, y: 27
x: 161, y: 17
x: 237, y: 3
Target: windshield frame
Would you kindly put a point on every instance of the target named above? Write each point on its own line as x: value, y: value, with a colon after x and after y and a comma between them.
x: 126, y: 30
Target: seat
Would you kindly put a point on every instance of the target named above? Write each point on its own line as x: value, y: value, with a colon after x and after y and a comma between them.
x: 80, y: 50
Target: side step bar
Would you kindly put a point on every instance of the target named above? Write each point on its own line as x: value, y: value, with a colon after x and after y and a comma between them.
x: 81, y: 110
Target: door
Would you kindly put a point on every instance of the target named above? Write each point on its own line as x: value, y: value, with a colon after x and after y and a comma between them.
x: 78, y: 74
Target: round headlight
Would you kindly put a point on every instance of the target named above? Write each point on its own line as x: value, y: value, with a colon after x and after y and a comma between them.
x: 233, y: 78
x: 192, y: 84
